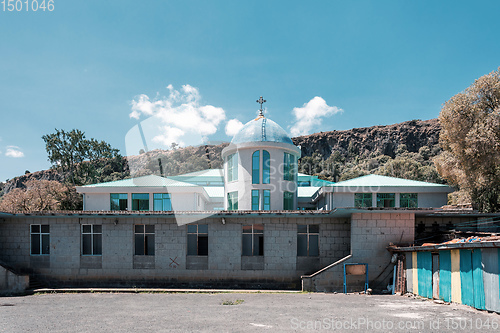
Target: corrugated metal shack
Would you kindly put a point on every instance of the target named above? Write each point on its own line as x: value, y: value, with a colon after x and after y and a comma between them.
x: 462, y: 271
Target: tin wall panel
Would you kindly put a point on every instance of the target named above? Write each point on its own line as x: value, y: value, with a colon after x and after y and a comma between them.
x: 491, y: 270
x: 409, y: 272
x: 435, y: 276
x: 445, y: 275
x: 466, y: 277
x: 415, y: 273
x: 477, y: 277
x: 424, y: 267
x: 456, y: 290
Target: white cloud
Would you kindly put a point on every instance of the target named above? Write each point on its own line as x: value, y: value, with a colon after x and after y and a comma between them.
x: 233, y: 126
x: 169, y: 135
x: 310, y: 115
x: 14, y: 151
x: 180, y: 114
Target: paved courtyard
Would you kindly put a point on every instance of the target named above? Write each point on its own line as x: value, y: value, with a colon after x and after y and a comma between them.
x: 249, y: 312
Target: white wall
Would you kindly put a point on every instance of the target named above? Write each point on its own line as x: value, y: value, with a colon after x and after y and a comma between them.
x: 425, y: 200
x: 183, y: 201
x: 343, y: 200
x: 244, y: 184
x: 187, y: 201
x: 97, y: 201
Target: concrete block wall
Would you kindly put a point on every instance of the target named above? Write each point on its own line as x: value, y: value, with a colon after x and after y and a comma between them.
x: 119, y: 266
x: 11, y: 283
x: 371, y: 233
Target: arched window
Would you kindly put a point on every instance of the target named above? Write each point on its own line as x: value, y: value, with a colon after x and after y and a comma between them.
x: 232, y: 167
x: 289, y: 167
x: 288, y: 201
x: 256, y: 167
x: 266, y: 166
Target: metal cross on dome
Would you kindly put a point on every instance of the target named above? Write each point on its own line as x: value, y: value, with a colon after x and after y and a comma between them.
x: 261, y: 101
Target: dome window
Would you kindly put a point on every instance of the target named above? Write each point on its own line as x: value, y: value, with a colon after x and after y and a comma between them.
x: 266, y: 166
x: 256, y: 167
x: 232, y: 167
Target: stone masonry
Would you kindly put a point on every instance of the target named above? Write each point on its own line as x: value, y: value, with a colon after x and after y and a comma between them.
x: 118, y: 266
x: 371, y: 233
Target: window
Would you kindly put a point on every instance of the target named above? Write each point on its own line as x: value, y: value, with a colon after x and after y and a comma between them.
x: 287, y: 200
x: 91, y: 239
x: 232, y: 200
x: 386, y: 200
x: 363, y: 200
x: 289, y: 167
x: 232, y: 167
x: 266, y: 167
x: 267, y: 200
x: 140, y: 201
x: 253, y: 240
x: 256, y: 167
x: 161, y: 202
x: 40, y: 239
x: 408, y: 200
x: 144, y: 239
x: 118, y: 201
x: 308, y: 240
x: 255, y: 200
x: 197, y: 240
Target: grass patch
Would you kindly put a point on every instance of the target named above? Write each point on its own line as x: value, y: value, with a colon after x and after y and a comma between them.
x: 230, y: 302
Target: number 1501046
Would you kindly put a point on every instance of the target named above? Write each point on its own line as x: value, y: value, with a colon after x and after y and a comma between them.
x: 27, y: 5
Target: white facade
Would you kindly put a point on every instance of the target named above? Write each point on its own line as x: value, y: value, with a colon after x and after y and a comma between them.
x: 182, y: 199
x: 244, y: 185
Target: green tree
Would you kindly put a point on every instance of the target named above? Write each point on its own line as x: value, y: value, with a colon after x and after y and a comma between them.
x: 73, y: 153
x: 470, y: 139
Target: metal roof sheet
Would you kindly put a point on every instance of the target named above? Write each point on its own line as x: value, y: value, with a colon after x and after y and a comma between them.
x: 380, y: 181
x: 144, y: 181
x: 215, y: 173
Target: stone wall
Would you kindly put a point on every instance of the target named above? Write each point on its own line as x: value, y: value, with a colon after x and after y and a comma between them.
x: 371, y: 233
x: 11, y: 283
x: 170, y: 266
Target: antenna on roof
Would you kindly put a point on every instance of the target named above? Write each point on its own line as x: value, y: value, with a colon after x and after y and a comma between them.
x: 261, y: 101
x: 161, y: 167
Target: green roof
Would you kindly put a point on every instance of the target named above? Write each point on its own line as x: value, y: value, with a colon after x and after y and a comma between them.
x: 209, y: 177
x: 315, y: 181
x: 216, y: 173
x: 377, y: 180
x: 144, y: 181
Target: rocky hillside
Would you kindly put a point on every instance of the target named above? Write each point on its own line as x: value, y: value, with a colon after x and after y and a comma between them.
x: 372, y: 141
x: 401, y: 150
x: 177, y: 161
x: 19, y: 182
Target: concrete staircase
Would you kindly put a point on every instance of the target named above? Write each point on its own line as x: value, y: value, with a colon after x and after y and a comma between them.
x: 12, y: 282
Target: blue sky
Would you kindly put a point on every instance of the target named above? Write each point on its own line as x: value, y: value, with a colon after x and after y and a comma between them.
x: 104, y: 66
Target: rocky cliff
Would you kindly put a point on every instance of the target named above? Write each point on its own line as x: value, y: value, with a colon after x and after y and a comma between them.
x: 371, y: 141
x: 19, y: 182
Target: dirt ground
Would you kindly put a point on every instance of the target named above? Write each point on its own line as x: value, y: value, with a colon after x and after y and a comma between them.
x: 236, y: 312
